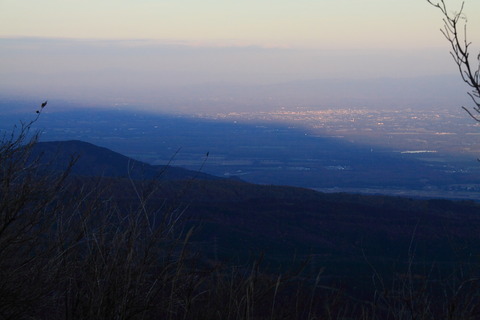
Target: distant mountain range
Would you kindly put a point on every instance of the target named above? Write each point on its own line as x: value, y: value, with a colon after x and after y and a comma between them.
x: 346, y: 233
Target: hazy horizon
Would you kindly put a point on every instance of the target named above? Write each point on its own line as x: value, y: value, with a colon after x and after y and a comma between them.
x: 192, y: 58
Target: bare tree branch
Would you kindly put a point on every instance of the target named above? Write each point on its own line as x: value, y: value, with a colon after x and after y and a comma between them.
x: 455, y: 31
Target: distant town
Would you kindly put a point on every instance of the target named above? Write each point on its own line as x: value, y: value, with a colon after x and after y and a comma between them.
x: 450, y: 131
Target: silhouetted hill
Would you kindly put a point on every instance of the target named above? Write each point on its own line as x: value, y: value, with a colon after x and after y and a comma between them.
x: 95, y: 161
x: 352, y: 236
x: 346, y: 233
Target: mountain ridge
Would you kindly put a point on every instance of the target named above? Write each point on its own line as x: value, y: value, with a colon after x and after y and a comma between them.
x: 346, y: 233
x: 93, y: 160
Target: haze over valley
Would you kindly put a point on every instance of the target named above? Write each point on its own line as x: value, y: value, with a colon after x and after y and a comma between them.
x: 411, y: 152
x: 239, y: 160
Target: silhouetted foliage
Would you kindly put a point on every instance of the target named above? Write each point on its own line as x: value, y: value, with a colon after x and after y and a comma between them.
x: 68, y: 250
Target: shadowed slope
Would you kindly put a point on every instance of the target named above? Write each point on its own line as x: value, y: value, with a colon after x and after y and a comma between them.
x: 98, y: 161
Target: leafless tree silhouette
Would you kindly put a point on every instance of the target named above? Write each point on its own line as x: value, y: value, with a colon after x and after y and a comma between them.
x: 455, y: 31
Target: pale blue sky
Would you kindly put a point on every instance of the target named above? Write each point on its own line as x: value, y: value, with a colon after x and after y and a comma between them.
x: 119, y: 50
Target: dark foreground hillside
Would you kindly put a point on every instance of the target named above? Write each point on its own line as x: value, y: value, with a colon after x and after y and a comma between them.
x: 351, y: 236
x: 143, y: 243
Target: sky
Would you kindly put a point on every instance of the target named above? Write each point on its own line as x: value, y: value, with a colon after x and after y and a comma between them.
x: 163, y: 53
